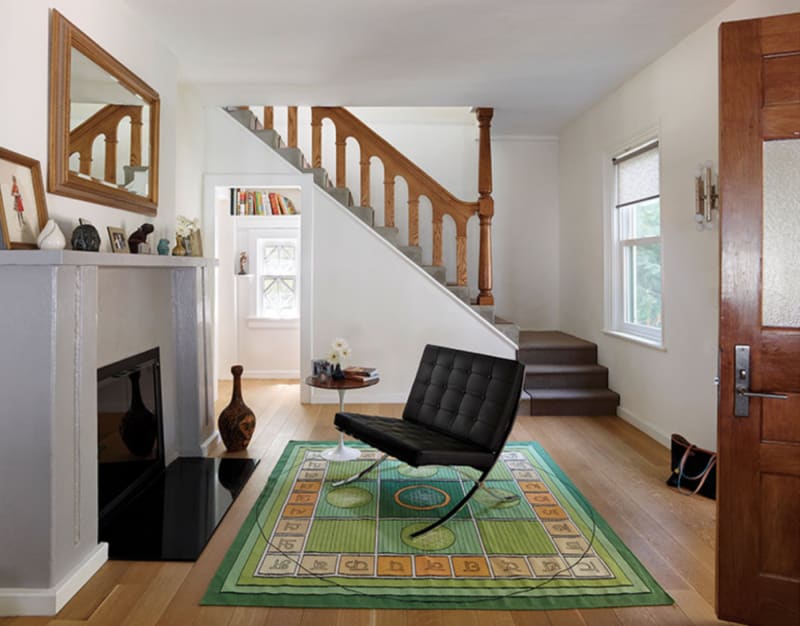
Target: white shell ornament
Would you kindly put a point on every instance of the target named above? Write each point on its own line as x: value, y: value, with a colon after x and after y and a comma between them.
x: 51, y: 237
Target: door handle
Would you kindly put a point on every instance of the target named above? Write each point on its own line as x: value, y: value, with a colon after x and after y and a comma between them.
x: 741, y: 384
x: 757, y: 394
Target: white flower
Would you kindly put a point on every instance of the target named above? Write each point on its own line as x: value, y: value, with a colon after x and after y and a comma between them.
x: 340, y: 344
x: 333, y: 357
x: 345, y: 353
x: 186, y: 226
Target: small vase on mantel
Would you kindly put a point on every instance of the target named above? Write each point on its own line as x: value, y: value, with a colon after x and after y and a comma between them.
x: 179, y: 250
x: 237, y: 422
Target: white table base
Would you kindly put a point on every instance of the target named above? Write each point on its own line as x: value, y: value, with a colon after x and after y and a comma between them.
x: 341, y: 452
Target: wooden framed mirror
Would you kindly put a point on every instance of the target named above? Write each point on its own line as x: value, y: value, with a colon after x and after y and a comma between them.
x: 103, y: 125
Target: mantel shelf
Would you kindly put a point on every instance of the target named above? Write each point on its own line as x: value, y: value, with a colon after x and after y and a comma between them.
x: 99, y: 259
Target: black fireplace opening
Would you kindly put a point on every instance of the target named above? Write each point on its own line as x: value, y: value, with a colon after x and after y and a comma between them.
x: 149, y: 510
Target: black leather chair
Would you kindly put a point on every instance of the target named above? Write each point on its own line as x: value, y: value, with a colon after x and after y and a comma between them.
x: 459, y: 412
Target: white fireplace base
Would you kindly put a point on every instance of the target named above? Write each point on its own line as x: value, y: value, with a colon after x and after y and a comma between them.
x: 63, y: 314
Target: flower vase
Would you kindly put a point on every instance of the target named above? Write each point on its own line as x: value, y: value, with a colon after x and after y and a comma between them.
x: 179, y: 250
x: 337, y: 373
x: 237, y: 422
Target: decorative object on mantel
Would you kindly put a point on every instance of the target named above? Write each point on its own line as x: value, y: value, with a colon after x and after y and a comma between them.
x: 23, y: 212
x: 85, y: 237
x: 237, y: 422
x: 118, y: 241
x: 163, y: 247
x: 137, y: 242
x: 243, y: 263
x: 138, y: 427
x: 189, y: 231
x: 51, y: 237
x: 179, y: 250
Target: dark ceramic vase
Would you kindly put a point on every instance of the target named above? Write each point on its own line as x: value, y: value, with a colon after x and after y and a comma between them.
x: 237, y: 422
x: 337, y: 373
x: 138, y: 426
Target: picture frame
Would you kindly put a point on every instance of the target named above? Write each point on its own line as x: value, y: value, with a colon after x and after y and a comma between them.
x: 23, y: 208
x: 119, y: 242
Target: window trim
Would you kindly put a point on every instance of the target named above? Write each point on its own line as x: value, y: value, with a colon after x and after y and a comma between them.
x: 614, y: 253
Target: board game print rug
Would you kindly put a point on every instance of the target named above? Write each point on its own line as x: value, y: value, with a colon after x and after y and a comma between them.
x: 308, y: 544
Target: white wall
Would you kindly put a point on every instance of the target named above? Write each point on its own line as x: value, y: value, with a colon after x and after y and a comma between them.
x: 672, y: 390
x: 24, y: 65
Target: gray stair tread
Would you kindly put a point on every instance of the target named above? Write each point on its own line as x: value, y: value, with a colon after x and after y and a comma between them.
x: 500, y: 320
x: 550, y: 339
x: 572, y: 394
x: 552, y: 368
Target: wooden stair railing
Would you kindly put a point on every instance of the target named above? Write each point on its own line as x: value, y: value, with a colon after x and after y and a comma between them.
x: 419, y: 184
x: 106, y: 122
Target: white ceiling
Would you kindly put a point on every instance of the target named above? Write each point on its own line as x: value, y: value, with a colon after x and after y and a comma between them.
x: 538, y: 62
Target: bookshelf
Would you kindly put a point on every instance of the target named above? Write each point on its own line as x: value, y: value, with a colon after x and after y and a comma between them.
x: 263, y: 201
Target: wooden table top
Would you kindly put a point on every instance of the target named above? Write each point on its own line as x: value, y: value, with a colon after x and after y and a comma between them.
x: 343, y: 383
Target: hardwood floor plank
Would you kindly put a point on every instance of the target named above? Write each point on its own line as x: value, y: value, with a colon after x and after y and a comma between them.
x: 620, y: 470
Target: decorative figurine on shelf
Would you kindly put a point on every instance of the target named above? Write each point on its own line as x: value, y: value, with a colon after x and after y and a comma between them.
x: 237, y: 422
x: 139, y: 236
x: 179, y: 250
x: 85, y: 237
x: 242, y: 263
x: 51, y: 237
x: 163, y: 247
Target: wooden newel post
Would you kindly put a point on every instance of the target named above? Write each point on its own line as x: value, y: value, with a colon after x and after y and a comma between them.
x: 485, y: 205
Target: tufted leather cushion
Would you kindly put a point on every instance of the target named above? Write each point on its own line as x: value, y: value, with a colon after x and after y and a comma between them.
x: 459, y: 411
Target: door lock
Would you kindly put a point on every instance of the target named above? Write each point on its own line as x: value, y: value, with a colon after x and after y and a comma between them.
x: 741, y: 385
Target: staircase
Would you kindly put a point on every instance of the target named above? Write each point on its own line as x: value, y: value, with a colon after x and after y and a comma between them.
x: 419, y: 183
x: 562, y: 376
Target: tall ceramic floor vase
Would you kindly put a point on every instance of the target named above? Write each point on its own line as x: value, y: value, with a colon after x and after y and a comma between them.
x: 237, y: 422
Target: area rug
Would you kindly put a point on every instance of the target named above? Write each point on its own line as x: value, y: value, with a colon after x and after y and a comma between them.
x: 309, y: 544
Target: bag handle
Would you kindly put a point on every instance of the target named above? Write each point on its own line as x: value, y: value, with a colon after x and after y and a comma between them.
x: 702, y: 475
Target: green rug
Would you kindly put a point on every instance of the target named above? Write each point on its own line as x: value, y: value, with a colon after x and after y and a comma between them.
x: 308, y: 544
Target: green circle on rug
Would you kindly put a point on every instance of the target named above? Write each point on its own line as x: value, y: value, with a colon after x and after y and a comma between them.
x: 418, y: 472
x: 421, y: 497
x: 495, y: 502
x: 348, y: 497
x: 437, y: 539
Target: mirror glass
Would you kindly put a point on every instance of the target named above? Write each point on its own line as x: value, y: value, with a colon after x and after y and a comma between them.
x: 780, y: 300
x: 108, y: 128
x: 103, y: 125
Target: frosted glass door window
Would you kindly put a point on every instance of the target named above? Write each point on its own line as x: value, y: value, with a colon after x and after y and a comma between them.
x: 277, y: 277
x: 780, y: 291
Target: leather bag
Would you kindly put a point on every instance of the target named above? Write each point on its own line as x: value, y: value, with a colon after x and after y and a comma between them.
x: 694, y: 469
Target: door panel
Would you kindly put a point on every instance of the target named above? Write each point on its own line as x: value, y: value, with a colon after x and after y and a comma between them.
x: 758, y: 564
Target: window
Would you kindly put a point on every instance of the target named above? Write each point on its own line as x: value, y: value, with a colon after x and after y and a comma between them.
x: 636, y: 254
x: 277, y: 280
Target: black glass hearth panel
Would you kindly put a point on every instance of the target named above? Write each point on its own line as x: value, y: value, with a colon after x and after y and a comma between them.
x: 173, y: 518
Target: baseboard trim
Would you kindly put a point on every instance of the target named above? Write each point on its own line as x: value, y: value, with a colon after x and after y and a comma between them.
x: 49, y: 601
x: 647, y: 428
x: 272, y: 374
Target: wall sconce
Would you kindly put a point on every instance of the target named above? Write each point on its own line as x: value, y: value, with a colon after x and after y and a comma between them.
x: 706, y: 197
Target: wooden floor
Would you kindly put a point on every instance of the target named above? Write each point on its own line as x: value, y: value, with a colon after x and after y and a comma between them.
x: 620, y: 470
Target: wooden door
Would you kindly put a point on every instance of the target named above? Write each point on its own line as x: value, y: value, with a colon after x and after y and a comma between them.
x: 758, y: 564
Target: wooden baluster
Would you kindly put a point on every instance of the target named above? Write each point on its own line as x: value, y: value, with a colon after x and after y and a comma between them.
x: 341, y: 155
x: 85, y: 166
x: 461, y: 253
x: 136, y: 138
x: 485, y: 208
x: 291, y: 133
x: 413, y: 219
x: 388, y: 199
x: 111, y: 157
x: 269, y: 118
x: 437, y: 238
x: 316, y: 137
x: 365, y: 180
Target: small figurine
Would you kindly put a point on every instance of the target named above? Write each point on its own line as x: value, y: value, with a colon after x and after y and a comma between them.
x: 139, y: 236
x: 85, y: 237
x: 163, y: 246
x: 242, y: 263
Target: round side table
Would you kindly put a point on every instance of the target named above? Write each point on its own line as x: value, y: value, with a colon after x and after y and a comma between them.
x: 341, y: 452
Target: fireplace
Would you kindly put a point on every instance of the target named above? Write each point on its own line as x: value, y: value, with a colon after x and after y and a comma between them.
x: 149, y: 510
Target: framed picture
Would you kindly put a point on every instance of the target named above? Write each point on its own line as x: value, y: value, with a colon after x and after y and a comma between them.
x: 23, y: 212
x: 119, y: 243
